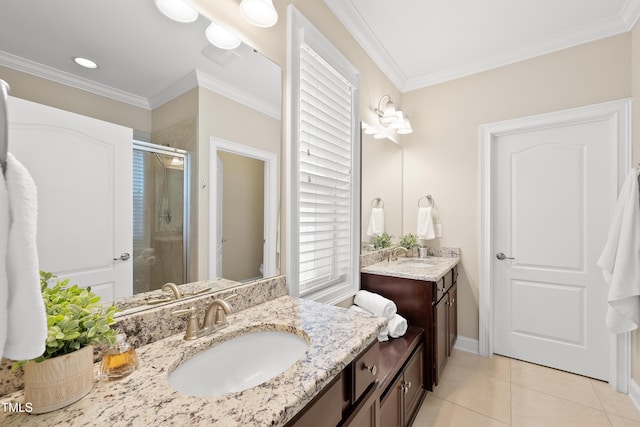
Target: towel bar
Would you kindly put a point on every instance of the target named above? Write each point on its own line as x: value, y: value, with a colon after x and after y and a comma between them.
x: 429, y: 198
x: 378, y: 202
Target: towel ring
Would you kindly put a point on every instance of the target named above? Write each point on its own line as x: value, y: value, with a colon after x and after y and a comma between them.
x: 429, y: 198
x: 377, y: 201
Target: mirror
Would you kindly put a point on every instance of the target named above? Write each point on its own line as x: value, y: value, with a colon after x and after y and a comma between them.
x: 155, y: 64
x: 381, y: 179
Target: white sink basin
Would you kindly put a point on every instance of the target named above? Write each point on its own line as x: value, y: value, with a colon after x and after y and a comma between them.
x: 416, y: 263
x: 238, y: 364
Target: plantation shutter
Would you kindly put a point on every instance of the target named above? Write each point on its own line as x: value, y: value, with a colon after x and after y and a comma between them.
x: 138, y: 199
x: 325, y: 175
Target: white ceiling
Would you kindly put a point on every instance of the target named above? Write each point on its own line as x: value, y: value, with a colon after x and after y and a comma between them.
x: 418, y: 43
x: 144, y: 58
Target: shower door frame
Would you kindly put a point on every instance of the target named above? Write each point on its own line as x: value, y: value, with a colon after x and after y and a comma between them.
x: 186, y: 211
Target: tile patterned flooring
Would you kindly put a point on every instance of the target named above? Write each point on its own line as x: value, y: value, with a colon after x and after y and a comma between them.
x: 496, y: 392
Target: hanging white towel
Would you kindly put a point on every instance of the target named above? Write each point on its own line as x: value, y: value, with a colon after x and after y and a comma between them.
x: 425, y: 224
x: 620, y: 259
x: 376, y: 222
x: 26, y: 317
x: 4, y: 243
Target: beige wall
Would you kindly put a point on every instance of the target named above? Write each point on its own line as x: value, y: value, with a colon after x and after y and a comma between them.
x: 442, y: 156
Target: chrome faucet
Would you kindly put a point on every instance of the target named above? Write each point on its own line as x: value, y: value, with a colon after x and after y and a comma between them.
x: 393, y: 253
x: 215, y: 318
x: 173, y: 288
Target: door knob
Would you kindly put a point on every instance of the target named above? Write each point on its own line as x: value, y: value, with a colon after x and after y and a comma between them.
x: 502, y: 256
x: 125, y: 256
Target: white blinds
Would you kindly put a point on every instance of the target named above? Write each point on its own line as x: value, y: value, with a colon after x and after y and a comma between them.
x: 138, y: 197
x: 325, y: 174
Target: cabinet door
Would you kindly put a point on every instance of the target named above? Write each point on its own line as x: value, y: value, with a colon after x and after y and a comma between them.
x: 391, y: 408
x: 452, y: 326
x: 413, y: 390
x: 325, y: 410
x: 367, y: 413
x: 440, y: 337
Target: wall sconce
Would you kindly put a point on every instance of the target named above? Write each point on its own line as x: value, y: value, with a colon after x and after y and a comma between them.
x: 391, y: 117
x: 260, y: 13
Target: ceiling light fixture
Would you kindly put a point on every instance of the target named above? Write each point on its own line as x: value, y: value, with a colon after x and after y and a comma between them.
x: 84, y: 62
x: 177, y: 10
x: 391, y: 117
x: 221, y: 37
x: 260, y: 13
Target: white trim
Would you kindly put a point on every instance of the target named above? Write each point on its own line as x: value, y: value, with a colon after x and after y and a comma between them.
x: 362, y: 33
x: 634, y: 393
x: 469, y: 345
x: 271, y: 198
x: 620, y: 364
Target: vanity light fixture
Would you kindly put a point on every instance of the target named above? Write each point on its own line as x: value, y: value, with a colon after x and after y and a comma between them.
x: 84, y: 62
x: 177, y: 10
x: 260, y: 13
x: 221, y: 37
x: 391, y: 117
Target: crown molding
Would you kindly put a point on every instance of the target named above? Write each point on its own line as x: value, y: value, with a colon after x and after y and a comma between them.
x: 62, y: 77
x: 351, y: 19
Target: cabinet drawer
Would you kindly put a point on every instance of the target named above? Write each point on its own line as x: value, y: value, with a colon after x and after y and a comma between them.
x: 365, y: 371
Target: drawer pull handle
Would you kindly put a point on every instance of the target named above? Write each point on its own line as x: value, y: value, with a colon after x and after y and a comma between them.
x: 373, y: 369
x: 406, y: 386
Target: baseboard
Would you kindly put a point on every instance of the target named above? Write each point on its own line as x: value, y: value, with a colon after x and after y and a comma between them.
x: 634, y: 393
x: 469, y: 345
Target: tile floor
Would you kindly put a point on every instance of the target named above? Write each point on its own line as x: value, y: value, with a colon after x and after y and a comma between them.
x: 495, y: 392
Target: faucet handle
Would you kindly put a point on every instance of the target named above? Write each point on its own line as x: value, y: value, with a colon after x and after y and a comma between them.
x: 192, y: 324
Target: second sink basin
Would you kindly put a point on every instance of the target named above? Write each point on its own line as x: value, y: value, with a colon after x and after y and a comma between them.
x: 238, y: 364
x: 416, y: 263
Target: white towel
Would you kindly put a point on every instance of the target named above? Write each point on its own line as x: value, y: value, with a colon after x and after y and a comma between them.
x: 375, y: 304
x: 384, y: 333
x: 425, y: 224
x: 4, y: 243
x: 376, y: 222
x: 26, y: 324
x: 620, y: 259
x: 397, y: 326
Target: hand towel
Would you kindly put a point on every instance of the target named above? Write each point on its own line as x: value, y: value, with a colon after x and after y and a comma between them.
x: 4, y: 242
x: 425, y: 224
x: 375, y: 304
x: 397, y: 326
x: 620, y: 259
x: 376, y: 222
x: 26, y: 315
x: 384, y: 333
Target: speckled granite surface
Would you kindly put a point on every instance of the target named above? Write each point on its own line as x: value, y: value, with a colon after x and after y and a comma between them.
x: 145, y: 398
x: 155, y: 322
x: 429, y: 269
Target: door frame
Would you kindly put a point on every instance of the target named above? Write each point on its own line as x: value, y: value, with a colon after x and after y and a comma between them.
x: 620, y: 110
x: 270, y: 200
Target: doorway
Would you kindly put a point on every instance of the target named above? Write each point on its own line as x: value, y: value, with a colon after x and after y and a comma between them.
x: 549, y: 186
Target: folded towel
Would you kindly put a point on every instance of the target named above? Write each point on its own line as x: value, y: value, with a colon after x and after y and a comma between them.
x: 376, y: 222
x: 425, y: 224
x: 384, y: 334
x: 26, y: 315
x: 620, y: 259
x: 375, y: 304
x: 397, y: 326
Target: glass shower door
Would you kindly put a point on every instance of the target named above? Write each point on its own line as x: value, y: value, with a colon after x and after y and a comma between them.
x: 160, y: 216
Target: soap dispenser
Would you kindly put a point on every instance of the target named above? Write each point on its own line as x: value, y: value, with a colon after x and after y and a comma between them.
x: 119, y: 361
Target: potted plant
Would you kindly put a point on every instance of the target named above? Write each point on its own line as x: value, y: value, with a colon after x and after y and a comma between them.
x: 409, y: 242
x: 76, y: 321
x: 382, y: 241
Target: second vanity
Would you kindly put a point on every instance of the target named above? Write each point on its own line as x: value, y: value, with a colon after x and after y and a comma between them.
x: 338, y: 339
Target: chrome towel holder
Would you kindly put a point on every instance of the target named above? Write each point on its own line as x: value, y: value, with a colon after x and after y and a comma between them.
x: 429, y: 199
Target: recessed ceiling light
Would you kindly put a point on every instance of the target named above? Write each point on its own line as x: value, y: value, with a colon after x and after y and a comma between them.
x: 221, y: 37
x: 85, y: 63
x: 177, y: 10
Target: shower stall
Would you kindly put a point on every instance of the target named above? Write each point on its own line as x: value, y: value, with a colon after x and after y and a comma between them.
x: 160, y: 216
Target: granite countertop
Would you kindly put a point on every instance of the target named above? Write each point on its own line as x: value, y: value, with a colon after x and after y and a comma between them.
x: 429, y: 269
x: 335, y: 335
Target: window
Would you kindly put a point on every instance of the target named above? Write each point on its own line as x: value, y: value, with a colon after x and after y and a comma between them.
x: 323, y: 172
x: 138, y: 199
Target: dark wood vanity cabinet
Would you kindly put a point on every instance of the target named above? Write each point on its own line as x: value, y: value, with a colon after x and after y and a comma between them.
x: 431, y: 306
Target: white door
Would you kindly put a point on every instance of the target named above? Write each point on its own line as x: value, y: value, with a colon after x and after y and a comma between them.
x: 82, y: 168
x: 219, y: 228
x: 554, y: 186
